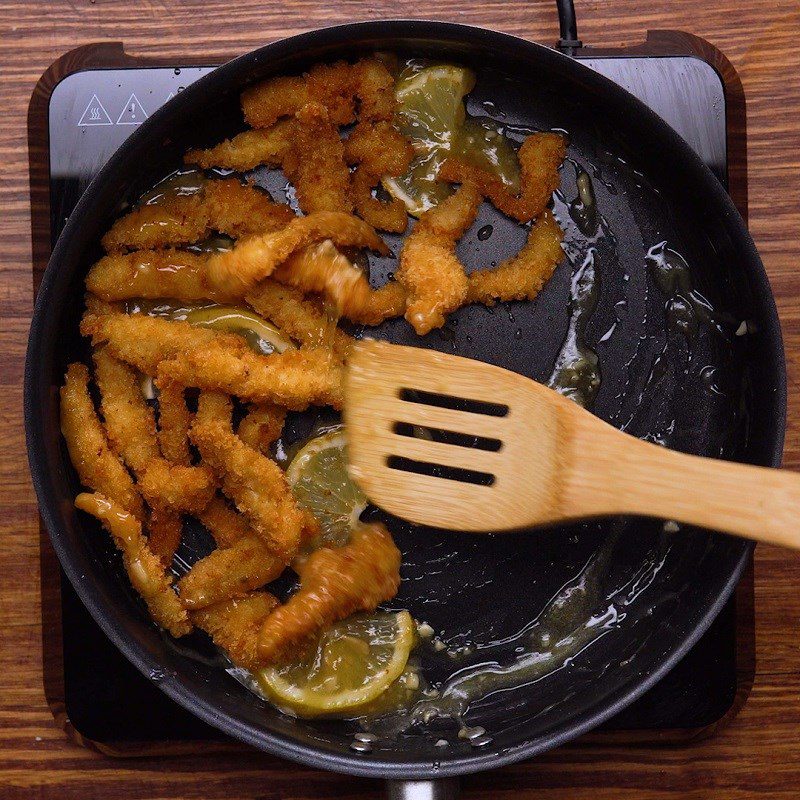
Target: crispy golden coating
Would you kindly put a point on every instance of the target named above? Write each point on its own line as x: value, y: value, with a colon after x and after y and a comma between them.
x: 235, y: 272
x: 294, y: 379
x: 522, y: 276
x: 429, y: 270
x: 328, y: 84
x: 144, y: 569
x: 131, y: 428
x: 164, y: 530
x: 247, y: 150
x: 256, y: 485
x: 97, y: 465
x: 384, y: 303
x: 152, y: 275
x: 339, y: 87
x: 373, y: 85
x: 334, y: 583
x: 144, y: 342
x: 321, y: 268
x: 225, y: 524
x: 378, y: 149
x: 539, y: 158
x: 315, y: 163
x: 234, y: 625
x: 174, y: 421
x: 262, y: 425
x: 214, y: 406
x: 129, y: 421
x: 224, y: 206
x: 234, y: 571
x: 302, y: 318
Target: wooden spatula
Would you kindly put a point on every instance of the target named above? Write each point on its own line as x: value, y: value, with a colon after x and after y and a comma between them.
x: 454, y: 443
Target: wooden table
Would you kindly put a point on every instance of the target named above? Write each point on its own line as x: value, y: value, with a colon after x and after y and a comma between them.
x: 756, y: 755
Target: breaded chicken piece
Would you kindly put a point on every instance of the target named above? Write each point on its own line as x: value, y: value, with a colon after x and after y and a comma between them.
x: 331, y: 85
x: 334, y: 583
x: 315, y: 163
x: 262, y: 425
x: 522, y: 276
x: 248, y: 149
x: 224, y: 206
x: 294, y: 379
x: 97, y: 465
x: 234, y: 625
x: 153, y: 275
x: 146, y: 572
x: 251, y: 260
x: 144, y: 342
x: 339, y: 87
x: 303, y: 319
x: 539, y: 158
x: 429, y: 270
x: 131, y: 428
x: 164, y: 531
x: 256, y: 485
x: 234, y: 571
x: 225, y: 524
x: 377, y: 150
x: 386, y: 302
x: 174, y: 421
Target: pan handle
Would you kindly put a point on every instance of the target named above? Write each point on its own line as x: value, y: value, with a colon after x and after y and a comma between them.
x: 568, y: 25
x: 444, y: 789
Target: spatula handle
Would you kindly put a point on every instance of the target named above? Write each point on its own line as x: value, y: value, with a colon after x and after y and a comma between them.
x: 643, y: 478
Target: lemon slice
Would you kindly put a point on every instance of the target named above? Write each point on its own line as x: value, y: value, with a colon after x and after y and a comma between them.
x: 430, y: 111
x: 261, y: 335
x: 320, y: 483
x: 354, y: 662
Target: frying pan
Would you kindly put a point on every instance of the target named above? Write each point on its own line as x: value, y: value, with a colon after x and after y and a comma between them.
x: 689, y: 354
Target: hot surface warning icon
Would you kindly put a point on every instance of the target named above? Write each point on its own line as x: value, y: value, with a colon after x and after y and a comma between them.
x: 132, y: 112
x: 95, y: 114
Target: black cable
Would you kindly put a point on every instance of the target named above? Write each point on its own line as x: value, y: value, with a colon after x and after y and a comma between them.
x: 569, y: 26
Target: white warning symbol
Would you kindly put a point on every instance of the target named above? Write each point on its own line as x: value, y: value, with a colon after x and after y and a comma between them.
x: 95, y: 114
x: 170, y: 96
x: 132, y: 113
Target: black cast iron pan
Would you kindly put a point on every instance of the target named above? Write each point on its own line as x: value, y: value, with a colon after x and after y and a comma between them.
x: 669, y: 371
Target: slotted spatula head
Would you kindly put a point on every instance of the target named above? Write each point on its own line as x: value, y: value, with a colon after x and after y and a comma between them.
x: 450, y: 442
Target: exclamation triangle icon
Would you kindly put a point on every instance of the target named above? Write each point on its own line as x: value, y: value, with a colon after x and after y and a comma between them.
x: 132, y: 112
x: 95, y: 114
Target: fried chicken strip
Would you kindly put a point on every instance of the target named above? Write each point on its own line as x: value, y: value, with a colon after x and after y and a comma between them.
x: 234, y: 571
x: 152, y: 275
x: 164, y: 531
x: 131, y: 428
x: 539, y: 158
x: 144, y: 342
x: 97, y: 465
x: 429, y: 269
x: 522, y: 276
x: 315, y: 163
x: 336, y: 86
x: 302, y: 318
x: 224, y: 206
x: 262, y: 425
x: 225, y: 524
x: 145, y: 571
x: 334, y: 583
x: 174, y: 421
x: 234, y: 625
x: 385, y: 302
x: 378, y: 149
x: 294, y: 379
x: 248, y: 150
x: 235, y: 272
x: 256, y: 485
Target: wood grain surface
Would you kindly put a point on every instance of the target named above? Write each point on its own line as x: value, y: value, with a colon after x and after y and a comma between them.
x: 755, y: 755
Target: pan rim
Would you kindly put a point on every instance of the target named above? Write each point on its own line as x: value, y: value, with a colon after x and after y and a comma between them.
x: 37, y: 387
